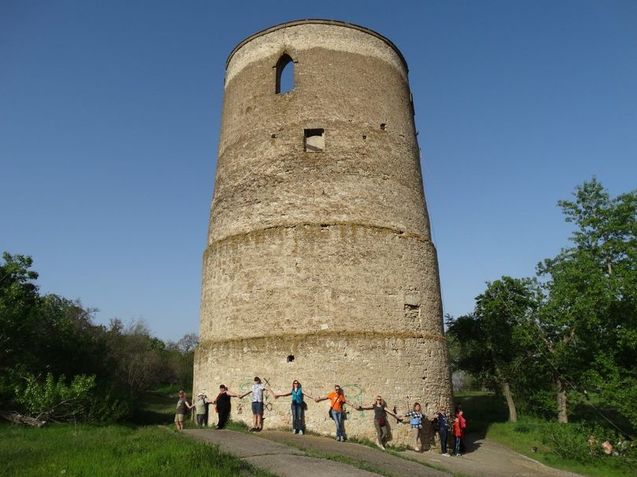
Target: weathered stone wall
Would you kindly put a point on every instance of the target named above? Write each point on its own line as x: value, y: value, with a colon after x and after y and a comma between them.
x: 324, y: 256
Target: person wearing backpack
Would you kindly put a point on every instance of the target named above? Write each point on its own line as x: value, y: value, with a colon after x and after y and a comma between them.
x: 457, y: 436
x: 463, y: 427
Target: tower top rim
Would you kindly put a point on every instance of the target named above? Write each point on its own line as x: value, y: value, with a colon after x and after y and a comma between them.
x: 317, y: 21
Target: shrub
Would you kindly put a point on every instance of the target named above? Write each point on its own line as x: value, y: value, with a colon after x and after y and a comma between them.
x: 53, y: 399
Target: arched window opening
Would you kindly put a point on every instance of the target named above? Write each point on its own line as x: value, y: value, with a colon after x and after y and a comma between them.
x: 284, y: 74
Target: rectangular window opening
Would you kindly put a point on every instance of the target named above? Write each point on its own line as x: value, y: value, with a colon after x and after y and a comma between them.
x: 314, y: 140
x: 412, y: 312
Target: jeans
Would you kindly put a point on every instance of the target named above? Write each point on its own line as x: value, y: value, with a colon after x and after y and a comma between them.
x: 444, y: 436
x: 456, y: 440
x: 338, y: 420
x: 297, y: 416
x: 201, y: 420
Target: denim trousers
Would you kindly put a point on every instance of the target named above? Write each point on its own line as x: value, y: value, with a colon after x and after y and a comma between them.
x: 444, y: 433
x: 338, y: 420
x: 457, y: 445
x: 297, y: 416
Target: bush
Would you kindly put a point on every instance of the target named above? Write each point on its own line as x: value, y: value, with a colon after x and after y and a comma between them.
x: 53, y: 399
x: 583, y: 443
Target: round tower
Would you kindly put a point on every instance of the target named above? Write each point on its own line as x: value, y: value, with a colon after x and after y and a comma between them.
x: 319, y: 264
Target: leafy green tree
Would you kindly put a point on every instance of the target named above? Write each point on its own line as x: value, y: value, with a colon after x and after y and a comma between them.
x: 494, y: 342
x: 588, y: 323
x: 19, y: 302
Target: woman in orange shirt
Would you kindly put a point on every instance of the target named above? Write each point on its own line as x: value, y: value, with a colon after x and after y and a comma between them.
x: 337, y: 401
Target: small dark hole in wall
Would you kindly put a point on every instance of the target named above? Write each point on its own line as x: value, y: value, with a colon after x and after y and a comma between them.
x: 290, y: 358
x: 364, y: 137
x: 273, y: 136
x: 383, y: 126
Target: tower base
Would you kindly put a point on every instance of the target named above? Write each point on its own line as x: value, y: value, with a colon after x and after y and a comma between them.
x: 402, y: 368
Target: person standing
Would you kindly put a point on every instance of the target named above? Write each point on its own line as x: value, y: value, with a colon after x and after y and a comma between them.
x: 201, y: 409
x: 463, y: 427
x: 183, y: 406
x: 223, y: 405
x: 258, y: 390
x: 298, y: 406
x: 379, y: 406
x: 457, y: 435
x: 443, y: 431
x: 415, y: 421
x: 337, y: 410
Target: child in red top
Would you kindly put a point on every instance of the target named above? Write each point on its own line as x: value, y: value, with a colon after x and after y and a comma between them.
x: 457, y: 435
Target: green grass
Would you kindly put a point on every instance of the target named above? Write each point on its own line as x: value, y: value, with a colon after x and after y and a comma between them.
x: 67, y: 450
x: 527, y: 435
x: 487, y: 416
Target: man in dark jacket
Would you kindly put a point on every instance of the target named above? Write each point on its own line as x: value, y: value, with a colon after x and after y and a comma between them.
x: 443, y: 430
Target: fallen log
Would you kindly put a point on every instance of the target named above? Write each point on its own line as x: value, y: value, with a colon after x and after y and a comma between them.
x: 18, y: 418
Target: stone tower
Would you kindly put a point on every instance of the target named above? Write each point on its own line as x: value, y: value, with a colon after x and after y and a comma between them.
x: 319, y: 264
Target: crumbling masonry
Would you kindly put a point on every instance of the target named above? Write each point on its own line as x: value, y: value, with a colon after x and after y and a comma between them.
x: 320, y: 265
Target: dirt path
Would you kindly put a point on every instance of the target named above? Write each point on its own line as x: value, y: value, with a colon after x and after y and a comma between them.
x: 286, y: 454
x: 487, y: 458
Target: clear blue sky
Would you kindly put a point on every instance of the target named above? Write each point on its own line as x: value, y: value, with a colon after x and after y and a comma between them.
x: 109, y: 121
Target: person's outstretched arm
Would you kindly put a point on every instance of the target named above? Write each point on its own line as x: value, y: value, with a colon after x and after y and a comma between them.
x: 398, y: 418
x: 278, y: 395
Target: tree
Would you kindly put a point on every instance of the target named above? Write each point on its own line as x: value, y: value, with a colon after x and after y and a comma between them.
x: 588, y: 322
x: 493, y: 341
x: 19, y: 301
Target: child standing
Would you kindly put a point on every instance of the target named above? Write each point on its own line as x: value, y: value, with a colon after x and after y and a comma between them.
x: 457, y: 436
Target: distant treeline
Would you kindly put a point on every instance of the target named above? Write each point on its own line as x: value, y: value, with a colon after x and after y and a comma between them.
x: 56, y: 364
x: 564, y: 342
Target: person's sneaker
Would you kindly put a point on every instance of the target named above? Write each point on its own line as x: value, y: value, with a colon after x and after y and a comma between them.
x: 446, y: 454
x: 380, y: 445
x: 294, y: 431
x: 417, y: 449
x: 301, y: 431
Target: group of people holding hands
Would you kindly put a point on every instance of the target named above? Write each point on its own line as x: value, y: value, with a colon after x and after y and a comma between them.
x: 443, y: 423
